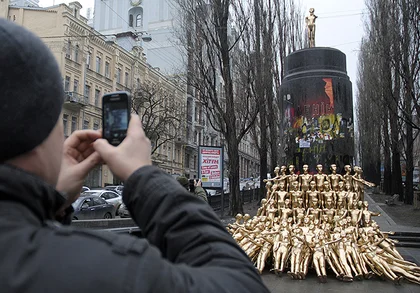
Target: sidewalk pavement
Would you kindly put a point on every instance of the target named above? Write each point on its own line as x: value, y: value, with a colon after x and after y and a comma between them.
x: 386, y: 223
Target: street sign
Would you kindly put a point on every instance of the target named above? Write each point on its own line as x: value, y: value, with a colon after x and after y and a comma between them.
x: 210, y: 166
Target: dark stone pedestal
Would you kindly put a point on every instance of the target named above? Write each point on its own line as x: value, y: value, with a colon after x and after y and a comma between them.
x: 318, y: 109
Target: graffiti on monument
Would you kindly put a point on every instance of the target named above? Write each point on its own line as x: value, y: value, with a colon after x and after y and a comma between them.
x: 317, y: 119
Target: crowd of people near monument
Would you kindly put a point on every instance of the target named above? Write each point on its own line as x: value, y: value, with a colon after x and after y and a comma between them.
x: 320, y: 221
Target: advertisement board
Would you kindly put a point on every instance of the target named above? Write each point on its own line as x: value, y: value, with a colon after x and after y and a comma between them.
x: 210, y: 166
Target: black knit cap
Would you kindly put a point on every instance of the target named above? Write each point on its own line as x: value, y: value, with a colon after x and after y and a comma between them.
x: 31, y: 91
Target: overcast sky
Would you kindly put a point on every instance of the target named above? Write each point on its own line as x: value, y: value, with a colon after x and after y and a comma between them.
x: 339, y: 25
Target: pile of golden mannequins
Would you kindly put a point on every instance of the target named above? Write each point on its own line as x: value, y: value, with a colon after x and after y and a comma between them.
x: 319, y: 221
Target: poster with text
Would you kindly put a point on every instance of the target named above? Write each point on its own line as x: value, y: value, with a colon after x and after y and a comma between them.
x: 210, y: 166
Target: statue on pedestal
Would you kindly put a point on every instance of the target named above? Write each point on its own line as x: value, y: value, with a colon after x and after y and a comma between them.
x: 310, y: 24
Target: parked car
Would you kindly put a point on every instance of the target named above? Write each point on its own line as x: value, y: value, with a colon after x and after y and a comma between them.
x: 109, y: 196
x: 85, y: 188
x: 123, y: 211
x: 89, y: 206
x: 116, y: 188
x: 213, y: 192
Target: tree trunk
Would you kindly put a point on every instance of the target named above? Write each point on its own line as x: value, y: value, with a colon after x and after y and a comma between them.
x: 395, y: 142
x: 260, y: 95
x: 409, y: 86
x: 235, y: 201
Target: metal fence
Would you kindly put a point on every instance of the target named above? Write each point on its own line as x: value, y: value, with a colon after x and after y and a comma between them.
x: 247, y: 196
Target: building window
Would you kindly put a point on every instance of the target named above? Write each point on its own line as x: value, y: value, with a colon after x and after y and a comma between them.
x: 87, y: 91
x: 107, y: 69
x: 95, y: 126
x: 73, y: 124
x: 127, y: 79
x: 130, y: 20
x: 76, y: 53
x: 68, y: 49
x: 86, y: 124
x: 65, y: 119
x: 138, y: 83
x: 119, y: 75
x: 67, y: 83
x: 139, y: 20
x: 98, y: 64
x: 88, y: 60
x: 76, y: 86
x: 97, y: 94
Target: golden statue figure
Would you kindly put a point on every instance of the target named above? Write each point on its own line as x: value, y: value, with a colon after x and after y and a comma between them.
x: 292, y: 177
x: 334, y: 178
x: 310, y: 24
x: 305, y: 179
x: 359, y: 182
x: 281, y: 248
x: 320, y: 178
x: 324, y: 222
x: 282, y: 194
x: 348, y: 178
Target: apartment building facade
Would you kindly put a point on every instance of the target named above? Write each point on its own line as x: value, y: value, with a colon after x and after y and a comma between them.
x: 158, y: 19
x: 93, y: 65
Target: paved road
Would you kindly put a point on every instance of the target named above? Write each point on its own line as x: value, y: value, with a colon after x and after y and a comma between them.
x: 311, y: 285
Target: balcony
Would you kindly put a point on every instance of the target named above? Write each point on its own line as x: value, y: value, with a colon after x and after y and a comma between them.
x: 199, y: 124
x: 74, y: 100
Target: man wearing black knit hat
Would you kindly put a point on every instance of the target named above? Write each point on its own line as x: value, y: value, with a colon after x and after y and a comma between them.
x: 186, y: 248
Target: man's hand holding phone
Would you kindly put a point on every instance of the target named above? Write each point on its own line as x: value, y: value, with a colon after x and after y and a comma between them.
x: 131, y: 154
x: 78, y: 159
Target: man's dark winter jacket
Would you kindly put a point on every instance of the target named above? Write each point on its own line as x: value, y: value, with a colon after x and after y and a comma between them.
x: 186, y: 248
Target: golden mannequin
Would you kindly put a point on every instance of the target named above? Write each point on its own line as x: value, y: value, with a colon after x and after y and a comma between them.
x: 262, y: 209
x: 341, y: 196
x: 348, y: 178
x: 296, y: 254
x: 286, y: 212
x: 264, y: 252
x: 282, y: 194
x: 366, y: 214
x: 292, y: 177
x: 281, y: 248
x: 328, y: 195
x: 320, y: 178
x: 334, y: 178
x: 305, y: 179
x: 312, y: 196
x: 323, y: 226
x: 284, y: 177
x: 358, y: 182
x: 318, y: 259
x: 295, y: 194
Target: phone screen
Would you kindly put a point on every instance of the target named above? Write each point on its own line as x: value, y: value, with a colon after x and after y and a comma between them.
x: 116, y: 118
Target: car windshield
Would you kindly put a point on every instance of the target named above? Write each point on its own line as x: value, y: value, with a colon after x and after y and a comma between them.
x: 77, y: 202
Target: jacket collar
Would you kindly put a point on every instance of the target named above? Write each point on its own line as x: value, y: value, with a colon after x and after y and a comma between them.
x: 29, y: 190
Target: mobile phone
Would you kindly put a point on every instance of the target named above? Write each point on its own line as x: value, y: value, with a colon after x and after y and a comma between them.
x: 115, y: 116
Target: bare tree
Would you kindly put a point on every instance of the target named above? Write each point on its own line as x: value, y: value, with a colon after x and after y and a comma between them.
x: 288, y: 37
x: 212, y: 34
x: 393, y: 36
x: 160, y: 113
